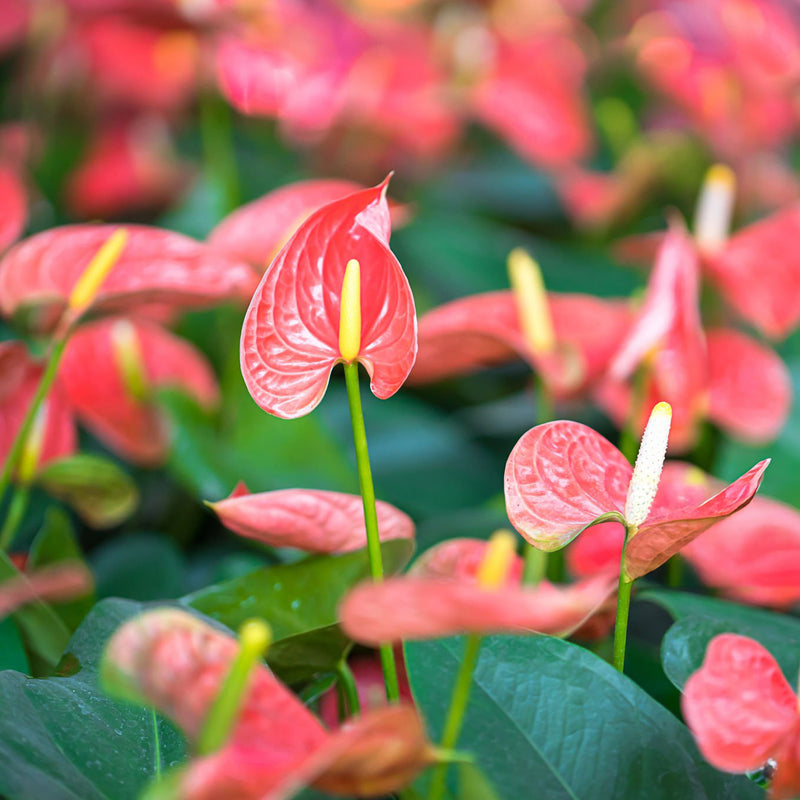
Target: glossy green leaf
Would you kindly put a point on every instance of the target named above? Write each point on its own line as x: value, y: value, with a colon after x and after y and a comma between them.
x: 300, y: 603
x: 101, y: 493
x: 55, y: 542
x: 66, y: 740
x: 550, y: 720
x: 12, y: 651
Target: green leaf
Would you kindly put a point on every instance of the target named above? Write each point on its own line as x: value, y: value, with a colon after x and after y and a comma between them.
x: 700, y: 619
x: 300, y: 603
x: 55, y: 542
x: 101, y: 493
x: 550, y: 720
x: 42, y: 631
x: 140, y: 566
x: 62, y: 738
x: 12, y: 651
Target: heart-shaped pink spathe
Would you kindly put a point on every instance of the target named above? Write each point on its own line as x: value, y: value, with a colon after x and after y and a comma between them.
x: 742, y: 711
x: 290, y: 337
x: 38, y: 274
x: 309, y: 519
x: 483, y: 330
x: 176, y: 662
x: 562, y: 477
x: 13, y: 206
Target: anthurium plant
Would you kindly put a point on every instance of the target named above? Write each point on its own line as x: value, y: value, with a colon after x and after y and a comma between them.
x: 397, y: 400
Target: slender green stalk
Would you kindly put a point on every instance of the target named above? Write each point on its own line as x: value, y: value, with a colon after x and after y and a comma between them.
x: 535, y: 565
x: 623, y: 609
x: 48, y: 376
x: 348, y: 686
x: 675, y: 572
x: 370, y: 513
x: 15, y: 515
x: 156, y: 747
x: 455, y: 716
x: 220, y: 158
x: 545, y: 407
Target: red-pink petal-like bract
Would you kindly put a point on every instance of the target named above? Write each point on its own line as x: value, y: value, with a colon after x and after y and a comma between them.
x: 255, y: 232
x: 739, y: 705
x: 460, y: 559
x: 290, y: 338
x: 560, y: 477
x: 309, y: 519
x: 758, y: 272
x: 92, y: 376
x: 750, y: 386
x: 57, y: 582
x: 427, y: 608
x: 753, y: 557
x: 13, y: 206
x: 176, y: 662
x: 156, y: 265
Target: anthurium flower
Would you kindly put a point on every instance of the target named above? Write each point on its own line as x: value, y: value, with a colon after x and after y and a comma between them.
x: 110, y: 370
x: 38, y: 274
x: 445, y: 595
x: 471, y: 333
x: 13, y: 206
x: 309, y: 519
x: 563, y: 477
x: 753, y: 557
x: 743, y: 712
x: 291, y: 334
x: 57, y: 582
x: 177, y: 663
x: 53, y: 435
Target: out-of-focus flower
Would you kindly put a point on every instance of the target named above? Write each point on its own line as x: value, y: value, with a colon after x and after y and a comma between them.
x: 38, y: 274
x: 110, y: 371
x: 176, y: 662
x: 562, y: 477
x: 445, y: 596
x: 13, y: 206
x: 291, y: 333
x: 487, y: 329
x: 743, y: 712
x: 57, y: 582
x: 309, y: 519
x: 753, y: 557
x: 129, y: 168
x: 15, y: 20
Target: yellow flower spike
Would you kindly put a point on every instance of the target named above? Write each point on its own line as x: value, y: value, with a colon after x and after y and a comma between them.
x: 649, y: 464
x: 712, y: 219
x: 129, y: 359
x: 497, y: 560
x: 350, y: 312
x: 255, y: 637
x: 32, y: 449
x: 532, y: 306
x: 92, y: 278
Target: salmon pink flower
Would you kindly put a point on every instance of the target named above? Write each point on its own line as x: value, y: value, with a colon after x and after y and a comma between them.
x: 178, y: 663
x: 13, y: 206
x: 309, y: 519
x: 562, y: 477
x: 109, y: 371
x: 447, y: 594
x: 743, y: 712
x: 581, y: 334
x: 57, y: 582
x: 291, y: 334
x: 753, y: 557
x: 38, y: 274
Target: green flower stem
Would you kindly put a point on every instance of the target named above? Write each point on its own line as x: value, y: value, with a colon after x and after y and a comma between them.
x: 675, y: 572
x: 623, y: 609
x: 347, y: 684
x: 455, y: 716
x: 370, y: 513
x: 15, y: 515
x: 535, y: 565
x: 216, y: 130
x: 48, y: 376
x: 544, y: 401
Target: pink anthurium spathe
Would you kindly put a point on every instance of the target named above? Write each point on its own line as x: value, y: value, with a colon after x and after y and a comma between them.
x: 109, y: 371
x: 563, y: 477
x: 13, y: 206
x: 445, y: 596
x: 753, y: 557
x: 291, y: 333
x: 743, y: 712
x: 38, y: 274
x: 309, y: 519
x: 176, y: 662
x: 57, y: 582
